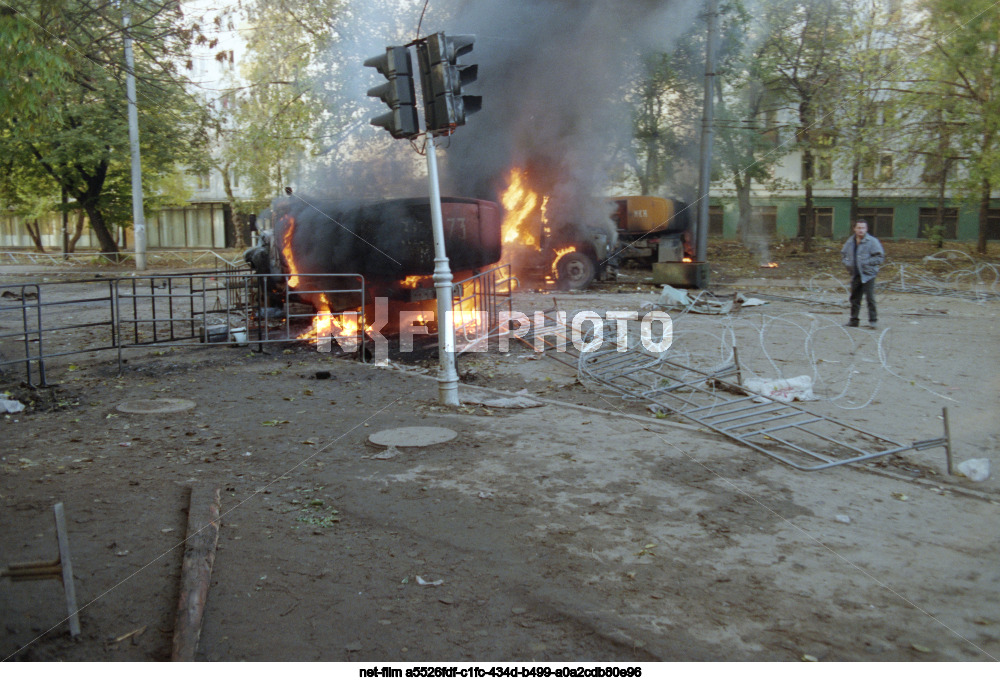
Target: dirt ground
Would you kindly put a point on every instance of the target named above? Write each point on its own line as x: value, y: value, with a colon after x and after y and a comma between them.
x: 581, y: 529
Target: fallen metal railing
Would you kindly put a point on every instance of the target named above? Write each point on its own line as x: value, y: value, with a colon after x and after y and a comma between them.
x: 61, y: 568
x: 783, y: 431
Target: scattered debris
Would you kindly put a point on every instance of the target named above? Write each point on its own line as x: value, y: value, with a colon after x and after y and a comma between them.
x: 976, y: 470
x: 391, y: 452
x: 423, y: 582
x: 520, y: 400
x: 11, y: 406
x: 743, y: 301
x: 704, y: 303
x: 134, y: 634
x: 782, y: 389
x: 846, y: 519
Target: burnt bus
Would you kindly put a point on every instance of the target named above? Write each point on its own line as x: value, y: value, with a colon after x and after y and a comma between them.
x: 389, y: 242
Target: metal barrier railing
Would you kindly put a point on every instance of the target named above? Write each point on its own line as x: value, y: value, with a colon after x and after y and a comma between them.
x: 43, y: 321
x: 189, y: 258
x: 237, y: 307
x: 60, y: 331
x: 477, y: 305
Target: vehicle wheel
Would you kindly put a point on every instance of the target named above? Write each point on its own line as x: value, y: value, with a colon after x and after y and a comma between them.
x: 576, y: 270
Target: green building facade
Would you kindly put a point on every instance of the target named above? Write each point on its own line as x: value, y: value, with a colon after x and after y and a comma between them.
x: 888, y: 218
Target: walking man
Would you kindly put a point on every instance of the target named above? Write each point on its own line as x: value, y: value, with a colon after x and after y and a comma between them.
x: 862, y: 255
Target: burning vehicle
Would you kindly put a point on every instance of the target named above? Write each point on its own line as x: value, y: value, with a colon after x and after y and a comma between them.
x: 389, y: 243
x: 571, y: 254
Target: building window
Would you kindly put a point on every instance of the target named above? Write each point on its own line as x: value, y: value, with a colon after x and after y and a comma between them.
x: 928, y: 218
x: 878, y: 169
x: 879, y: 221
x: 767, y: 124
x: 234, y: 179
x: 764, y: 220
x: 993, y: 224
x: 824, y: 221
x: 204, y: 181
x: 716, y: 217
x: 822, y: 167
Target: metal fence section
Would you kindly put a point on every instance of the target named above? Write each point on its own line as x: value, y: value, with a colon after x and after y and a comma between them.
x: 715, y: 399
x: 239, y: 307
x: 188, y: 258
x: 478, y: 306
x: 55, y: 319
x: 43, y: 321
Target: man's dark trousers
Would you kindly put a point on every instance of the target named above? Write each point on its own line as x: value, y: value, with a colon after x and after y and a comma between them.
x: 866, y: 289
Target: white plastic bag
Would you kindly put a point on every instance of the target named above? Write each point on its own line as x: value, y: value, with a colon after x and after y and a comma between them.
x: 782, y: 389
x: 976, y: 470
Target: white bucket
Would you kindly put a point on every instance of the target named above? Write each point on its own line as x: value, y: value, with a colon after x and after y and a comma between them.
x: 239, y: 335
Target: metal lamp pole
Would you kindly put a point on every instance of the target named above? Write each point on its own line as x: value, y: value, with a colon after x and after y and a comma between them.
x: 447, y: 374
x: 707, y: 133
x: 138, y: 214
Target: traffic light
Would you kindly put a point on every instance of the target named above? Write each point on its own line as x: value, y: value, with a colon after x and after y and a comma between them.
x: 442, y: 80
x: 398, y: 93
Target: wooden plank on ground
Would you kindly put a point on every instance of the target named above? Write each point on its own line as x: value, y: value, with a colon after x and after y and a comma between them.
x: 196, y: 570
x: 67, y: 570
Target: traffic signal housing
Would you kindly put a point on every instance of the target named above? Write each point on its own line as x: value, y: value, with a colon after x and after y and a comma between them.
x: 398, y: 93
x: 442, y: 80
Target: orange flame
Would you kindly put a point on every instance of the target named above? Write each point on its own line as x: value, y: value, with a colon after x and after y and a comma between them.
x: 559, y: 254
x: 686, y: 260
x: 344, y: 327
x: 325, y: 325
x: 770, y: 265
x: 415, y: 280
x: 519, y: 202
x: 470, y: 323
x: 286, y: 250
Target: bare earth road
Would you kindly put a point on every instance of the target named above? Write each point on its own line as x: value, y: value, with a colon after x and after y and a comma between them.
x: 581, y: 529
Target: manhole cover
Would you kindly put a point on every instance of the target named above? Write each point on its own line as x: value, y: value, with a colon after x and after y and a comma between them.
x: 415, y: 436
x: 163, y: 405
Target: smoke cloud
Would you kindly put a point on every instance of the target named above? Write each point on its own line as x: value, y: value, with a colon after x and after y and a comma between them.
x: 554, y: 75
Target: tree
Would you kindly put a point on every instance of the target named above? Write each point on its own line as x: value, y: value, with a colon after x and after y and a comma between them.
x: 745, y: 117
x: 32, y: 70
x: 959, y: 80
x: 664, y: 116
x: 269, y: 117
x: 868, y: 122
x: 71, y: 127
x: 803, y: 48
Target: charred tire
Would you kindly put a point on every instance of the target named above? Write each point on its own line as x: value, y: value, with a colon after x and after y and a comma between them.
x: 576, y: 270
